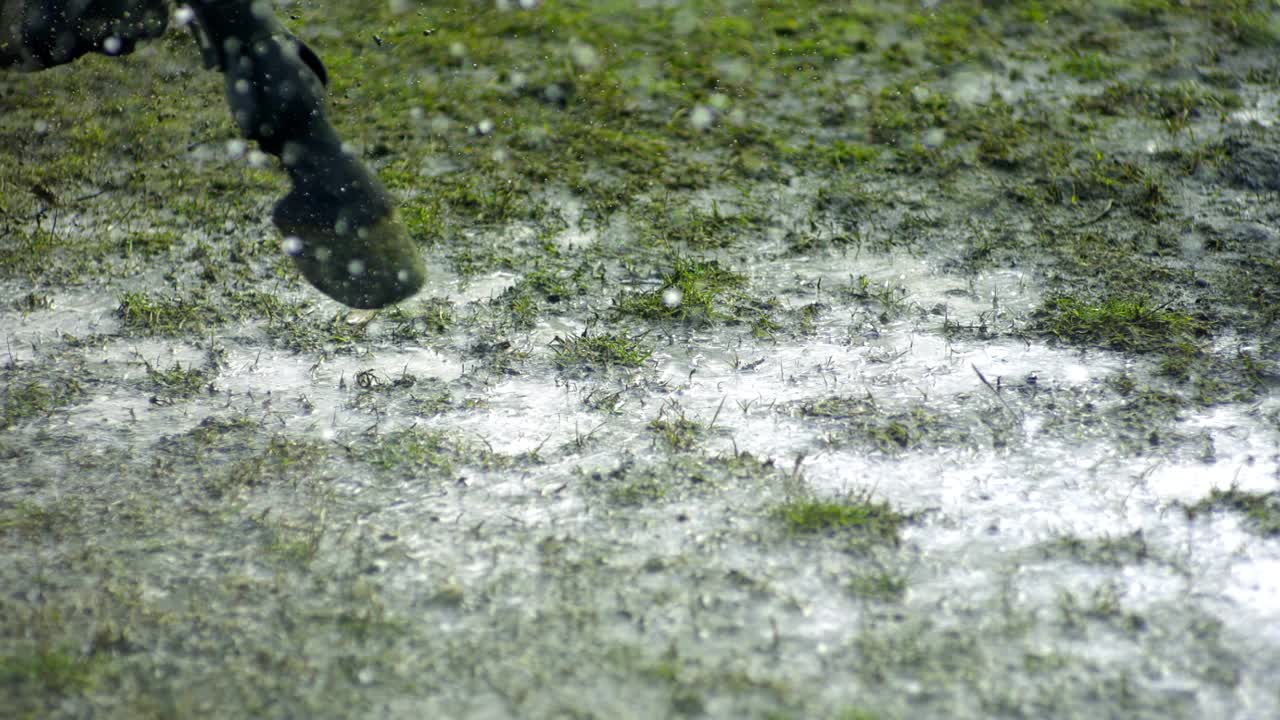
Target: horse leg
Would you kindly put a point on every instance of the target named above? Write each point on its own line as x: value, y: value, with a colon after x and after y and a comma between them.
x: 338, y: 221
x: 37, y: 34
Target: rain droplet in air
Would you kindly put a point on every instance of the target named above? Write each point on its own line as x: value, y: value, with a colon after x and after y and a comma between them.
x: 236, y: 147
x: 701, y: 117
x: 933, y: 138
x: 971, y: 88
x: 257, y: 158
x: 292, y: 245
x: 112, y: 45
x: 355, y: 268
x: 584, y: 56
x: 183, y: 16
x: 672, y: 297
x: 484, y: 127
x: 291, y: 154
x: 399, y: 7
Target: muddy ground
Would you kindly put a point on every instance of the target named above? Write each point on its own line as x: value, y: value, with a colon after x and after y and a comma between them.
x: 779, y: 360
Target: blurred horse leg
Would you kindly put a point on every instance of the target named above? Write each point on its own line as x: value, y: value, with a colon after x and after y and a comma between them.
x: 37, y: 34
x: 338, y: 221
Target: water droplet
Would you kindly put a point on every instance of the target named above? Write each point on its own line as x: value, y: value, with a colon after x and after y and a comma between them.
x: 355, y: 268
x: 242, y: 86
x: 672, y: 297
x: 402, y: 275
x: 971, y: 88
x: 417, y: 114
x: 529, y: 4
x: 291, y: 154
x: 236, y: 147
x: 484, y: 127
x: 933, y: 138
x: 341, y: 227
x: 701, y: 117
x: 112, y: 45
x: 40, y: 126
x: 584, y: 56
x: 292, y: 245
x: 399, y: 7
x: 183, y: 16
x: 457, y: 51
x: 323, y: 254
x: 348, y: 149
x: 257, y: 158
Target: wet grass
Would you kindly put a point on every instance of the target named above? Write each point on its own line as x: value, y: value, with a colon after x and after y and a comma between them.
x: 857, y: 515
x: 599, y: 352
x: 1261, y: 510
x: 674, y: 178
x: 24, y: 400
x: 1127, y: 324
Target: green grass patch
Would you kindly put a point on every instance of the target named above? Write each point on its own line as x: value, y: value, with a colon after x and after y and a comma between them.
x: 178, y: 382
x: 694, y: 290
x: 149, y: 314
x: 599, y: 352
x: 56, y: 671
x: 856, y: 514
x: 1132, y: 324
x: 26, y: 400
x: 1175, y: 105
x: 677, y: 430
x: 1261, y: 510
x: 1090, y: 66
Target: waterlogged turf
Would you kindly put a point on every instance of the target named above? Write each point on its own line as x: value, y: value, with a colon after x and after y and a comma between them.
x: 780, y: 360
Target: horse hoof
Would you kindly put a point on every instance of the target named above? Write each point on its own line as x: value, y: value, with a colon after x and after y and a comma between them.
x: 367, y: 266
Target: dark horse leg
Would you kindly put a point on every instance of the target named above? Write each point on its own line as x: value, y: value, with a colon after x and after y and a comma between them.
x: 339, y: 223
x: 36, y: 34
